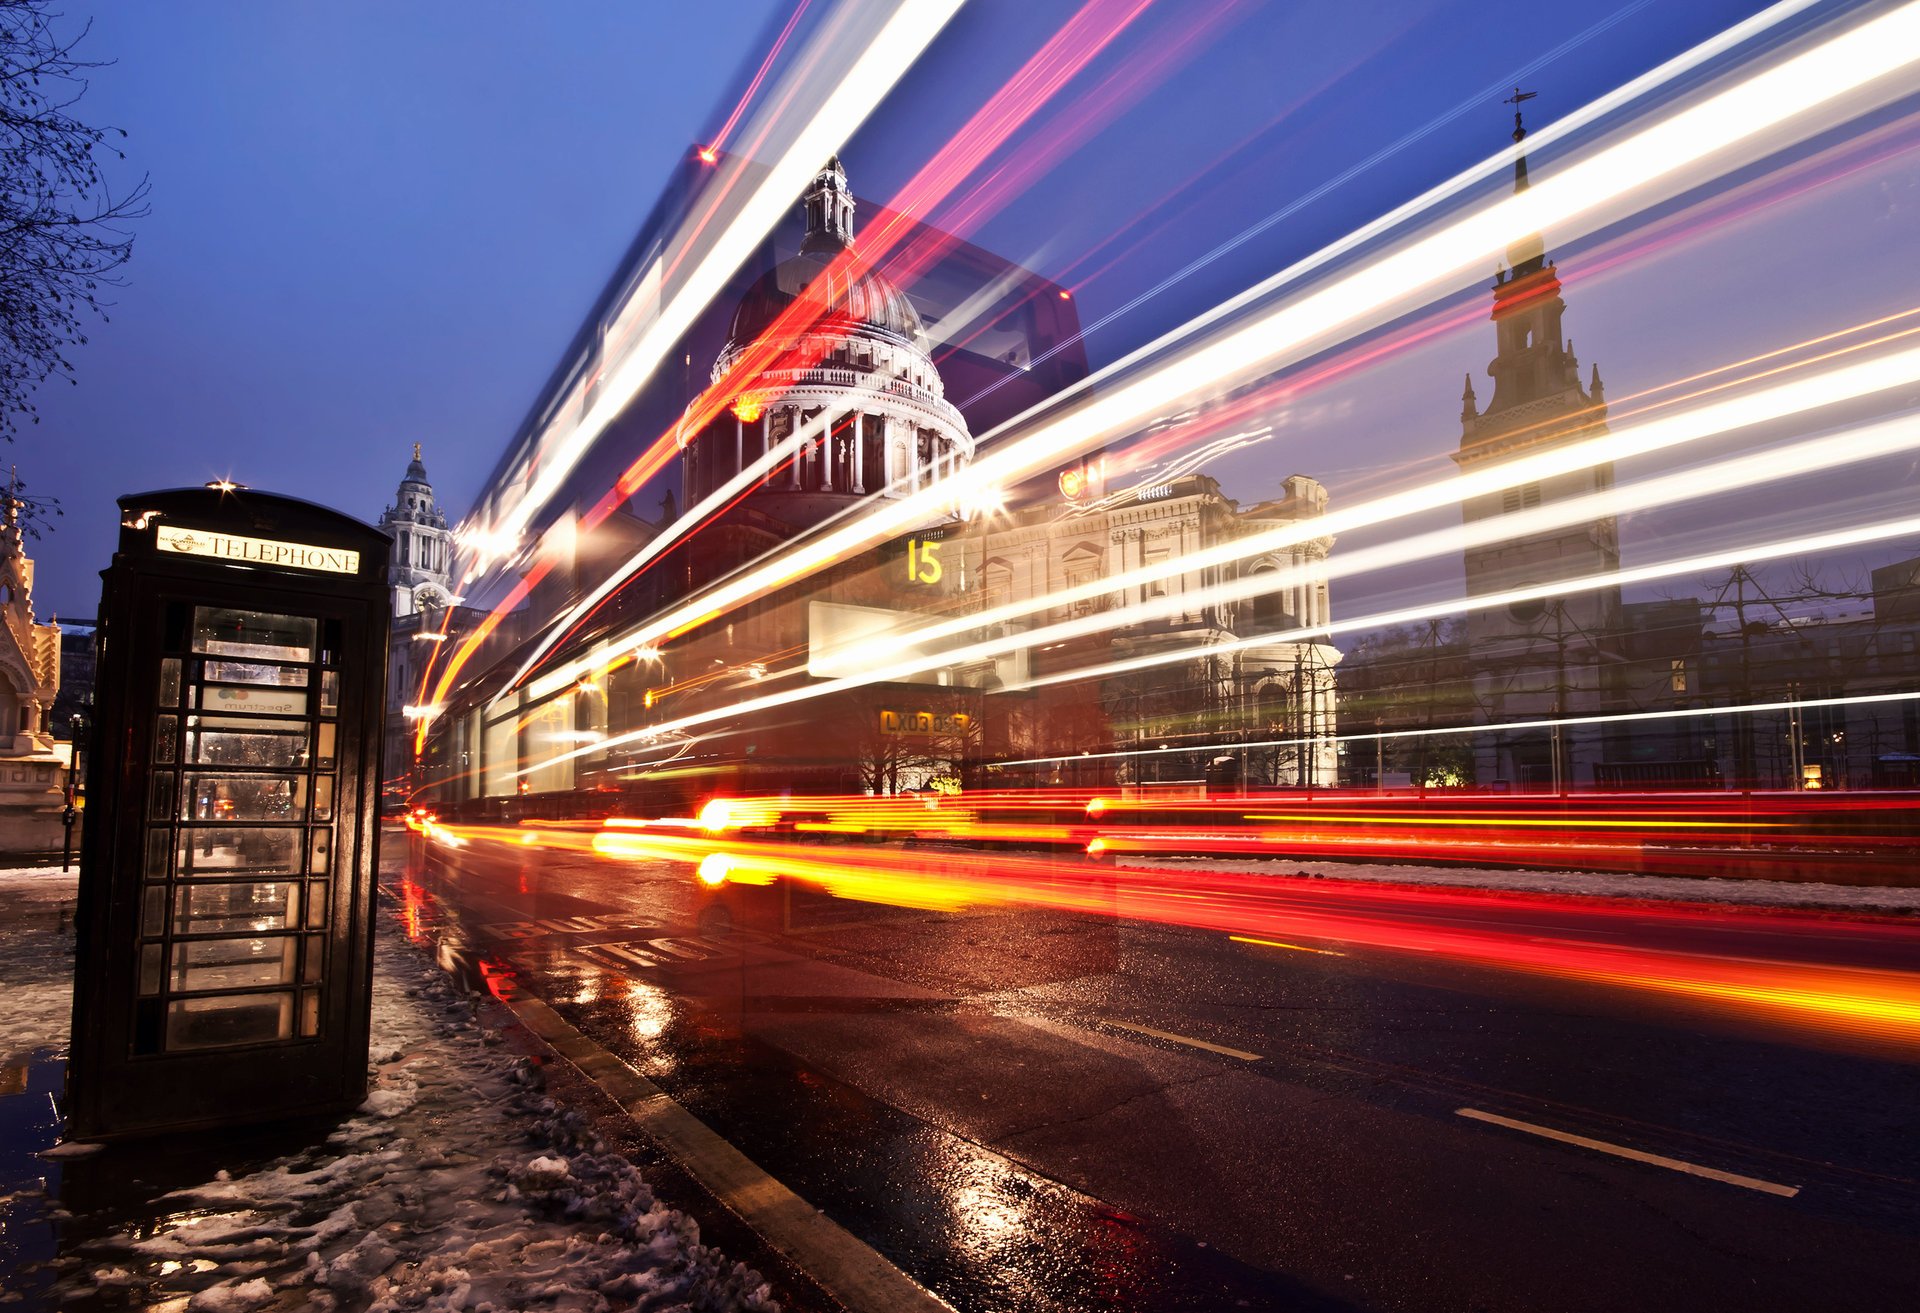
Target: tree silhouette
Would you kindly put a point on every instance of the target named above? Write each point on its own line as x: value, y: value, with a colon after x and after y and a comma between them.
x: 62, y: 239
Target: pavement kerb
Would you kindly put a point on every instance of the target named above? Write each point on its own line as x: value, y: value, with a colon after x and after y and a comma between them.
x: 840, y: 1263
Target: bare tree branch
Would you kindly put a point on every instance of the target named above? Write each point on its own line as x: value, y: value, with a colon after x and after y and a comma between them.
x: 62, y: 233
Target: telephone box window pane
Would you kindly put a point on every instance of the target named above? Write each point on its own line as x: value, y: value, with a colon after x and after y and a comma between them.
x: 323, y: 797
x: 322, y: 852
x: 251, y: 700
x: 323, y: 747
x: 316, y: 906
x: 211, y: 1023
x: 246, y: 672
x: 229, y: 631
x: 159, y: 844
x: 153, y: 916
x: 163, y: 794
x: 230, y: 741
x: 316, y: 956
x: 243, y: 797
x: 208, y: 850
x: 329, y: 692
x: 150, y: 969
x: 227, y: 909
x: 309, y: 1013
x: 232, y: 963
x: 164, y: 735
x: 170, y: 682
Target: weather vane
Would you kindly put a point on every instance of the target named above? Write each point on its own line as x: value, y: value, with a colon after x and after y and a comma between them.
x: 1517, y: 99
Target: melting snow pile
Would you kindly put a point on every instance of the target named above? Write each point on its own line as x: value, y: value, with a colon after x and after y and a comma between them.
x: 459, y: 1186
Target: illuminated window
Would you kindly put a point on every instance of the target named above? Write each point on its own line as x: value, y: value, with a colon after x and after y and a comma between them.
x: 1677, y: 677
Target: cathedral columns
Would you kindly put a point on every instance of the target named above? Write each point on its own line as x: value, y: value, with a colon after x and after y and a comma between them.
x: 859, y: 452
x: 799, y: 450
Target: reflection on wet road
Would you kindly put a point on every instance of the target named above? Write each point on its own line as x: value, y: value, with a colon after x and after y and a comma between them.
x: 1028, y: 1107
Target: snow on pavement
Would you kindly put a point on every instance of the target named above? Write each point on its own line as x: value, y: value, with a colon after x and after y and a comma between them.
x: 1768, y: 893
x: 458, y: 1185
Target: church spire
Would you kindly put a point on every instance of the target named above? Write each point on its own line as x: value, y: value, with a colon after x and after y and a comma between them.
x: 1529, y: 253
x: 1469, y: 410
x: 1517, y: 99
x: 829, y: 209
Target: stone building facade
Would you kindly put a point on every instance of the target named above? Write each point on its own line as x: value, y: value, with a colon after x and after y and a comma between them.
x: 32, y: 773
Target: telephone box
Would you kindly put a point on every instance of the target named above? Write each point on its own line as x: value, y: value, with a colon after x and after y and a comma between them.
x: 225, y: 938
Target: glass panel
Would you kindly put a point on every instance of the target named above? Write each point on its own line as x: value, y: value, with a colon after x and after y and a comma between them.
x: 315, y: 958
x: 322, y: 852
x: 159, y: 844
x: 316, y: 906
x: 244, y: 672
x: 217, y: 909
x: 208, y: 1023
x: 329, y: 693
x: 229, y: 741
x: 243, y: 797
x: 170, y: 682
x: 323, y: 749
x: 232, y: 963
x: 164, y: 736
x: 228, y: 631
x: 253, y: 700
x: 150, y: 969
x: 153, y: 916
x: 163, y: 793
x: 323, y: 797
x: 207, y: 850
x: 310, y: 1012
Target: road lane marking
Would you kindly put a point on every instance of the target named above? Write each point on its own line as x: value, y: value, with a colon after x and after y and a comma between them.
x: 1620, y: 1151
x: 1275, y: 943
x: 1241, y: 1054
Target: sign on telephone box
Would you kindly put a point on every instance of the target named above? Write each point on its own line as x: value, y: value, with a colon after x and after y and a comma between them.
x: 225, y: 937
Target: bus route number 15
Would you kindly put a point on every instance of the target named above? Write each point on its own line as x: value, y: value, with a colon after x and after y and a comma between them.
x: 923, y: 562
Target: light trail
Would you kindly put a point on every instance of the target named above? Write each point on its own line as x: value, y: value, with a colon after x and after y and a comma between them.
x: 1500, y: 727
x: 1464, y: 927
x: 884, y: 43
x: 1727, y: 126
x: 1784, y: 400
x: 711, y: 151
x: 1089, y: 32
x: 1728, y: 40
x: 1808, y: 544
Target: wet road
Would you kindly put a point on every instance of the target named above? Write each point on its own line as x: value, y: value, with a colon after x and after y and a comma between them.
x: 1028, y: 1108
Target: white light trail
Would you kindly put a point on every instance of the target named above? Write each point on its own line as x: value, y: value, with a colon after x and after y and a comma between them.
x: 694, y: 517
x: 1492, y: 727
x: 885, y: 40
x: 1782, y: 401
x: 1810, y: 544
x: 1728, y: 127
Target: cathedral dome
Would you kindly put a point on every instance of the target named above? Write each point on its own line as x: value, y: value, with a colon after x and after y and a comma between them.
x: 845, y: 401
x: 858, y: 299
